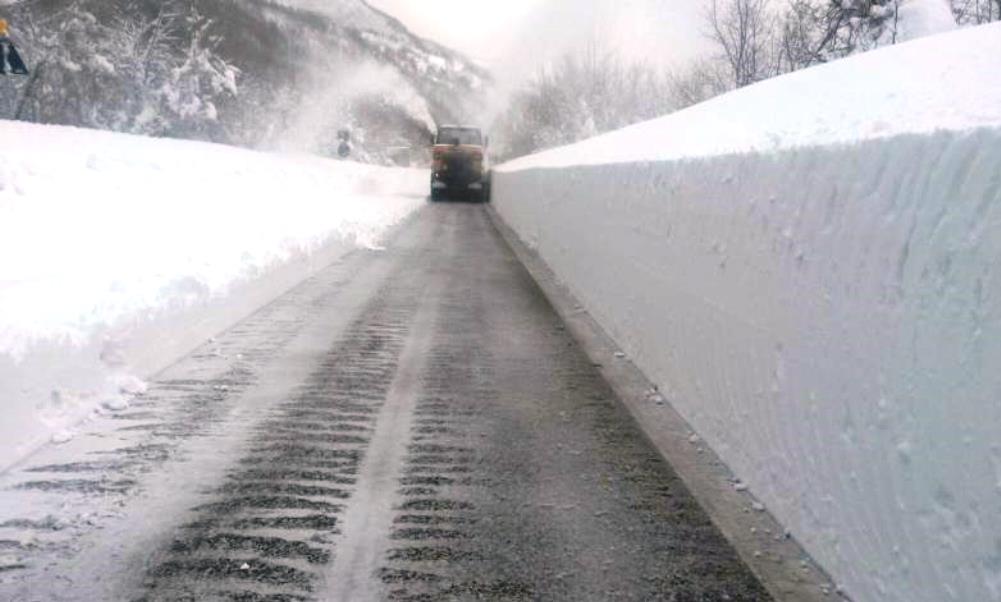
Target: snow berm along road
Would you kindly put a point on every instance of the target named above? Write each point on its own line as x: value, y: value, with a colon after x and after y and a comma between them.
x: 810, y: 270
x: 816, y: 290
x: 119, y: 254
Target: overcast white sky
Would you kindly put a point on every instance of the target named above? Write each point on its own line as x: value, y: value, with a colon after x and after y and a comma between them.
x: 475, y: 27
x: 517, y: 35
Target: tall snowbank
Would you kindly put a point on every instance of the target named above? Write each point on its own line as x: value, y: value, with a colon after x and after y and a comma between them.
x: 119, y: 253
x: 810, y: 269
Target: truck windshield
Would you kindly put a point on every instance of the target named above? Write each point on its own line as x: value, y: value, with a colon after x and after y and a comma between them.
x: 459, y: 136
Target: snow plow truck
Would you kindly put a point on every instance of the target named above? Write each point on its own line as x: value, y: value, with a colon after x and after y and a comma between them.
x: 459, y: 164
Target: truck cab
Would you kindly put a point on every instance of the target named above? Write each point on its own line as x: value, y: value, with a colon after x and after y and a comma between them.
x: 459, y: 163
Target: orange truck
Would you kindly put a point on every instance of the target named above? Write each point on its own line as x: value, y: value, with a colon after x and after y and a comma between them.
x: 460, y: 166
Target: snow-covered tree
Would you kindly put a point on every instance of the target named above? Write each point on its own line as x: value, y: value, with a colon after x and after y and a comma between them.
x: 191, y: 86
x: 137, y: 67
x: 976, y: 12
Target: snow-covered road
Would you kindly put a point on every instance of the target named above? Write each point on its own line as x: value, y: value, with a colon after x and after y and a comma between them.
x: 409, y: 424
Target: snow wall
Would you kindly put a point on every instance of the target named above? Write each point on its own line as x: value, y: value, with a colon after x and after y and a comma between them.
x: 120, y: 254
x: 826, y: 316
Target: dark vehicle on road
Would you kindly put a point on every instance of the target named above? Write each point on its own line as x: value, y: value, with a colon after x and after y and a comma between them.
x: 459, y: 163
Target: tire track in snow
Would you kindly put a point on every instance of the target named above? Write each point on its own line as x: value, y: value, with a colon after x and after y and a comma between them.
x: 273, y: 524
x: 368, y: 517
x: 476, y: 452
x: 433, y: 556
x: 54, y: 503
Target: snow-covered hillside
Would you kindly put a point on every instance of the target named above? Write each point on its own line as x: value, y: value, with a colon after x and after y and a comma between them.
x: 259, y: 73
x: 810, y: 270
x: 120, y: 253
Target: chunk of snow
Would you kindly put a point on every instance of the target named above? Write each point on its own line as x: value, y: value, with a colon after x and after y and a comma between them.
x: 116, y: 404
x: 130, y: 385
x: 62, y: 436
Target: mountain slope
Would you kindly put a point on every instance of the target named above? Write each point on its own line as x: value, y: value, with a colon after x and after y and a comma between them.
x: 263, y: 73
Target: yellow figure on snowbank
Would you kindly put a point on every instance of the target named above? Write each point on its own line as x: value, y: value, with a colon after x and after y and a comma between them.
x: 9, y: 56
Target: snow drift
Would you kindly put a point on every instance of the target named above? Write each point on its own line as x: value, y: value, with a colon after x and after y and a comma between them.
x: 810, y: 269
x: 118, y: 254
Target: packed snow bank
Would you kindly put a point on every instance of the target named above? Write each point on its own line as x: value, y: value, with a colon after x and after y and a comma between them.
x: 827, y: 316
x: 119, y: 253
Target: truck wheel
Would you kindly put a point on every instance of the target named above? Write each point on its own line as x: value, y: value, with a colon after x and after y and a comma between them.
x: 437, y: 194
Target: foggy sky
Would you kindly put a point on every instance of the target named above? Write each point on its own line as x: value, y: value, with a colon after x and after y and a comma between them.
x: 514, y: 37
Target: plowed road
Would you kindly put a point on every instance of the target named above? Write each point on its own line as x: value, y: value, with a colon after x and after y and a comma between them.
x: 410, y: 424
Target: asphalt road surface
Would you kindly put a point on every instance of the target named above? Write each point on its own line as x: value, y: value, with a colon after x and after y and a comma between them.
x: 411, y: 424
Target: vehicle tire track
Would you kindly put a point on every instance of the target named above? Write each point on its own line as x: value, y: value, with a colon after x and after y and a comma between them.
x: 526, y: 478
x: 451, y: 442
x: 368, y: 517
x: 272, y: 526
x: 435, y: 555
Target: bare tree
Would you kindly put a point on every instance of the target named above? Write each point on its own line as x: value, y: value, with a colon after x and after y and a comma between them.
x: 976, y: 12
x: 754, y: 44
x: 742, y: 30
x: 810, y: 33
x: 579, y: 96
x: 699, y: 82
x: 818, y: 31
